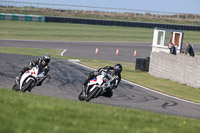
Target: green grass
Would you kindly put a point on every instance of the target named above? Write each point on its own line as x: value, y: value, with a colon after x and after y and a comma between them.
x: 80, y: 32
x: 29, y: 51
x: 28, y: 113
x: 71, y: 32
x: 129, y: 73
x: 21, y: 112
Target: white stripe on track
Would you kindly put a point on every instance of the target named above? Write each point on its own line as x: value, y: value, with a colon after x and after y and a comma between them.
x: 62, y: 53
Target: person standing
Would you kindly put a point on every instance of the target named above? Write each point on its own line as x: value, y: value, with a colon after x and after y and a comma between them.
x: 175, y: 47
x: 189, y: 49
x: 172, y: 49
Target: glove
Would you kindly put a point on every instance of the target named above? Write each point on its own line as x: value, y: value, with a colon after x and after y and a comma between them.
x: 33, y: 63
x: 48, y: 76
x: 95, y: 73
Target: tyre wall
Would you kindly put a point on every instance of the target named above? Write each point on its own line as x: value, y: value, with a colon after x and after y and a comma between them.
x: 21, y: 17
x: 120, y: 23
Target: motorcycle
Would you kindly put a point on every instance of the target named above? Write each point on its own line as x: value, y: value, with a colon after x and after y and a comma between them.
x: 29, y: 80
x: 96, y: 87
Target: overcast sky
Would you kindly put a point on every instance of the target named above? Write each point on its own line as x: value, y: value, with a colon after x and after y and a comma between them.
x: 179, y: 6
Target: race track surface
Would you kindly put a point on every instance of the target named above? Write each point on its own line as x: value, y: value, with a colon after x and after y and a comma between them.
x: 107, y: 50
x: 67, y: 79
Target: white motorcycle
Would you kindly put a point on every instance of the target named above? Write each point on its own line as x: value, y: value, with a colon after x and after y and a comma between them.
x: 96, y: 87
x: 29, y: 80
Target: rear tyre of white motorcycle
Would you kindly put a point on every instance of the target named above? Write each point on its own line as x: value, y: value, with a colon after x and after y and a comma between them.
x: 27, y: 85
x: 14, y: 88
x: 92, y: 94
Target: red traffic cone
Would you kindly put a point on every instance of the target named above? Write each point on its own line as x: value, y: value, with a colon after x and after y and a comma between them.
x: 134, y: 53
x: 96, y: 51
x: 117, y: 52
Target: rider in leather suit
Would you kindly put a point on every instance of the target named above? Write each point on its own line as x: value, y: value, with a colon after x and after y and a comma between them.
x: 41, y: 62
x: 115, y: 71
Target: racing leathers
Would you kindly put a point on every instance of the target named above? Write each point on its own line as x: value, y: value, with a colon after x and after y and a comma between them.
x: 115, y: 82
x: 189, y: 50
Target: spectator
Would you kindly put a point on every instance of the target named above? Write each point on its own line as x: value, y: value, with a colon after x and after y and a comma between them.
x: 189, y: 49
x: 175, y: 46
x: 172, y: 49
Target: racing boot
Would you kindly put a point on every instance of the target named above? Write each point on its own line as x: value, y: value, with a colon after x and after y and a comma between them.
x: 19, y: 77
x: 84, y: 90
x: 85, y: 85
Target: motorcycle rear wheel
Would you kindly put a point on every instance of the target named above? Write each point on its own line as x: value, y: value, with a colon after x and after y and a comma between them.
x: 14, y: 88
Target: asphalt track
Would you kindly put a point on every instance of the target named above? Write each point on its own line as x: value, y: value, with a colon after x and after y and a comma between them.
x: 107, y: 50
x: 67, y: 79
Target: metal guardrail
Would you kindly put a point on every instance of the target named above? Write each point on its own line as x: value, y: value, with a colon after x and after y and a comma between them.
x: 72, y: 9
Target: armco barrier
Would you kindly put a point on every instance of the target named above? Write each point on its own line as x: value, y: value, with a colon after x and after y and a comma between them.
x: 120, y: 23
x: 21, y: 17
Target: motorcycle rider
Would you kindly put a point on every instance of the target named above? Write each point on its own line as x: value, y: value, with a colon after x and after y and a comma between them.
x: 114, y: 71
x: 41, y: 62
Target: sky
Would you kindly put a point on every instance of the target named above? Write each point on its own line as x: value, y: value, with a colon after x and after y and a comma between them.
x: 177, y: 6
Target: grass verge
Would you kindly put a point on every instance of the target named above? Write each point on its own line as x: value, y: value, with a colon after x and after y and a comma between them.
x: 80, y: 32
x: 129, y: 73
x: 23, y: 112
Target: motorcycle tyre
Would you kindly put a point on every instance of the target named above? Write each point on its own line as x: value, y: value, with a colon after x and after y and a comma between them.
x: 81, y: 97
x: 27, y: 86
x: 92, y: 94
x: 14, y: 88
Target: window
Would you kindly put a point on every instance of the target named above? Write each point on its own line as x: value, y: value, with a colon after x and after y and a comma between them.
x: 167, y: 38
x: 160, y: 38
x: 177, y: 39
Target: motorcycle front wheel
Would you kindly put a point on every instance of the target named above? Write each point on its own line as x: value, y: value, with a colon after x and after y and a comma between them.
x: 92, y: 94
x: 27, y: 86
x: 81, y: 96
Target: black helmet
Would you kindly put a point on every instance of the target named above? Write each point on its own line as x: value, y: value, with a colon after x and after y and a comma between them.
x: 118, y: 68
x: 46, y: 58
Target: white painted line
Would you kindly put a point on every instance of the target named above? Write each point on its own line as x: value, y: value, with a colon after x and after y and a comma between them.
x: 63, y: 52
x: 74, y: 60
x: 144, y: 87
x: 159, y: 92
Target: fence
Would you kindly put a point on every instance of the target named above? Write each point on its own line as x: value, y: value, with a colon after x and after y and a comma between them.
x: 74, y: 9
